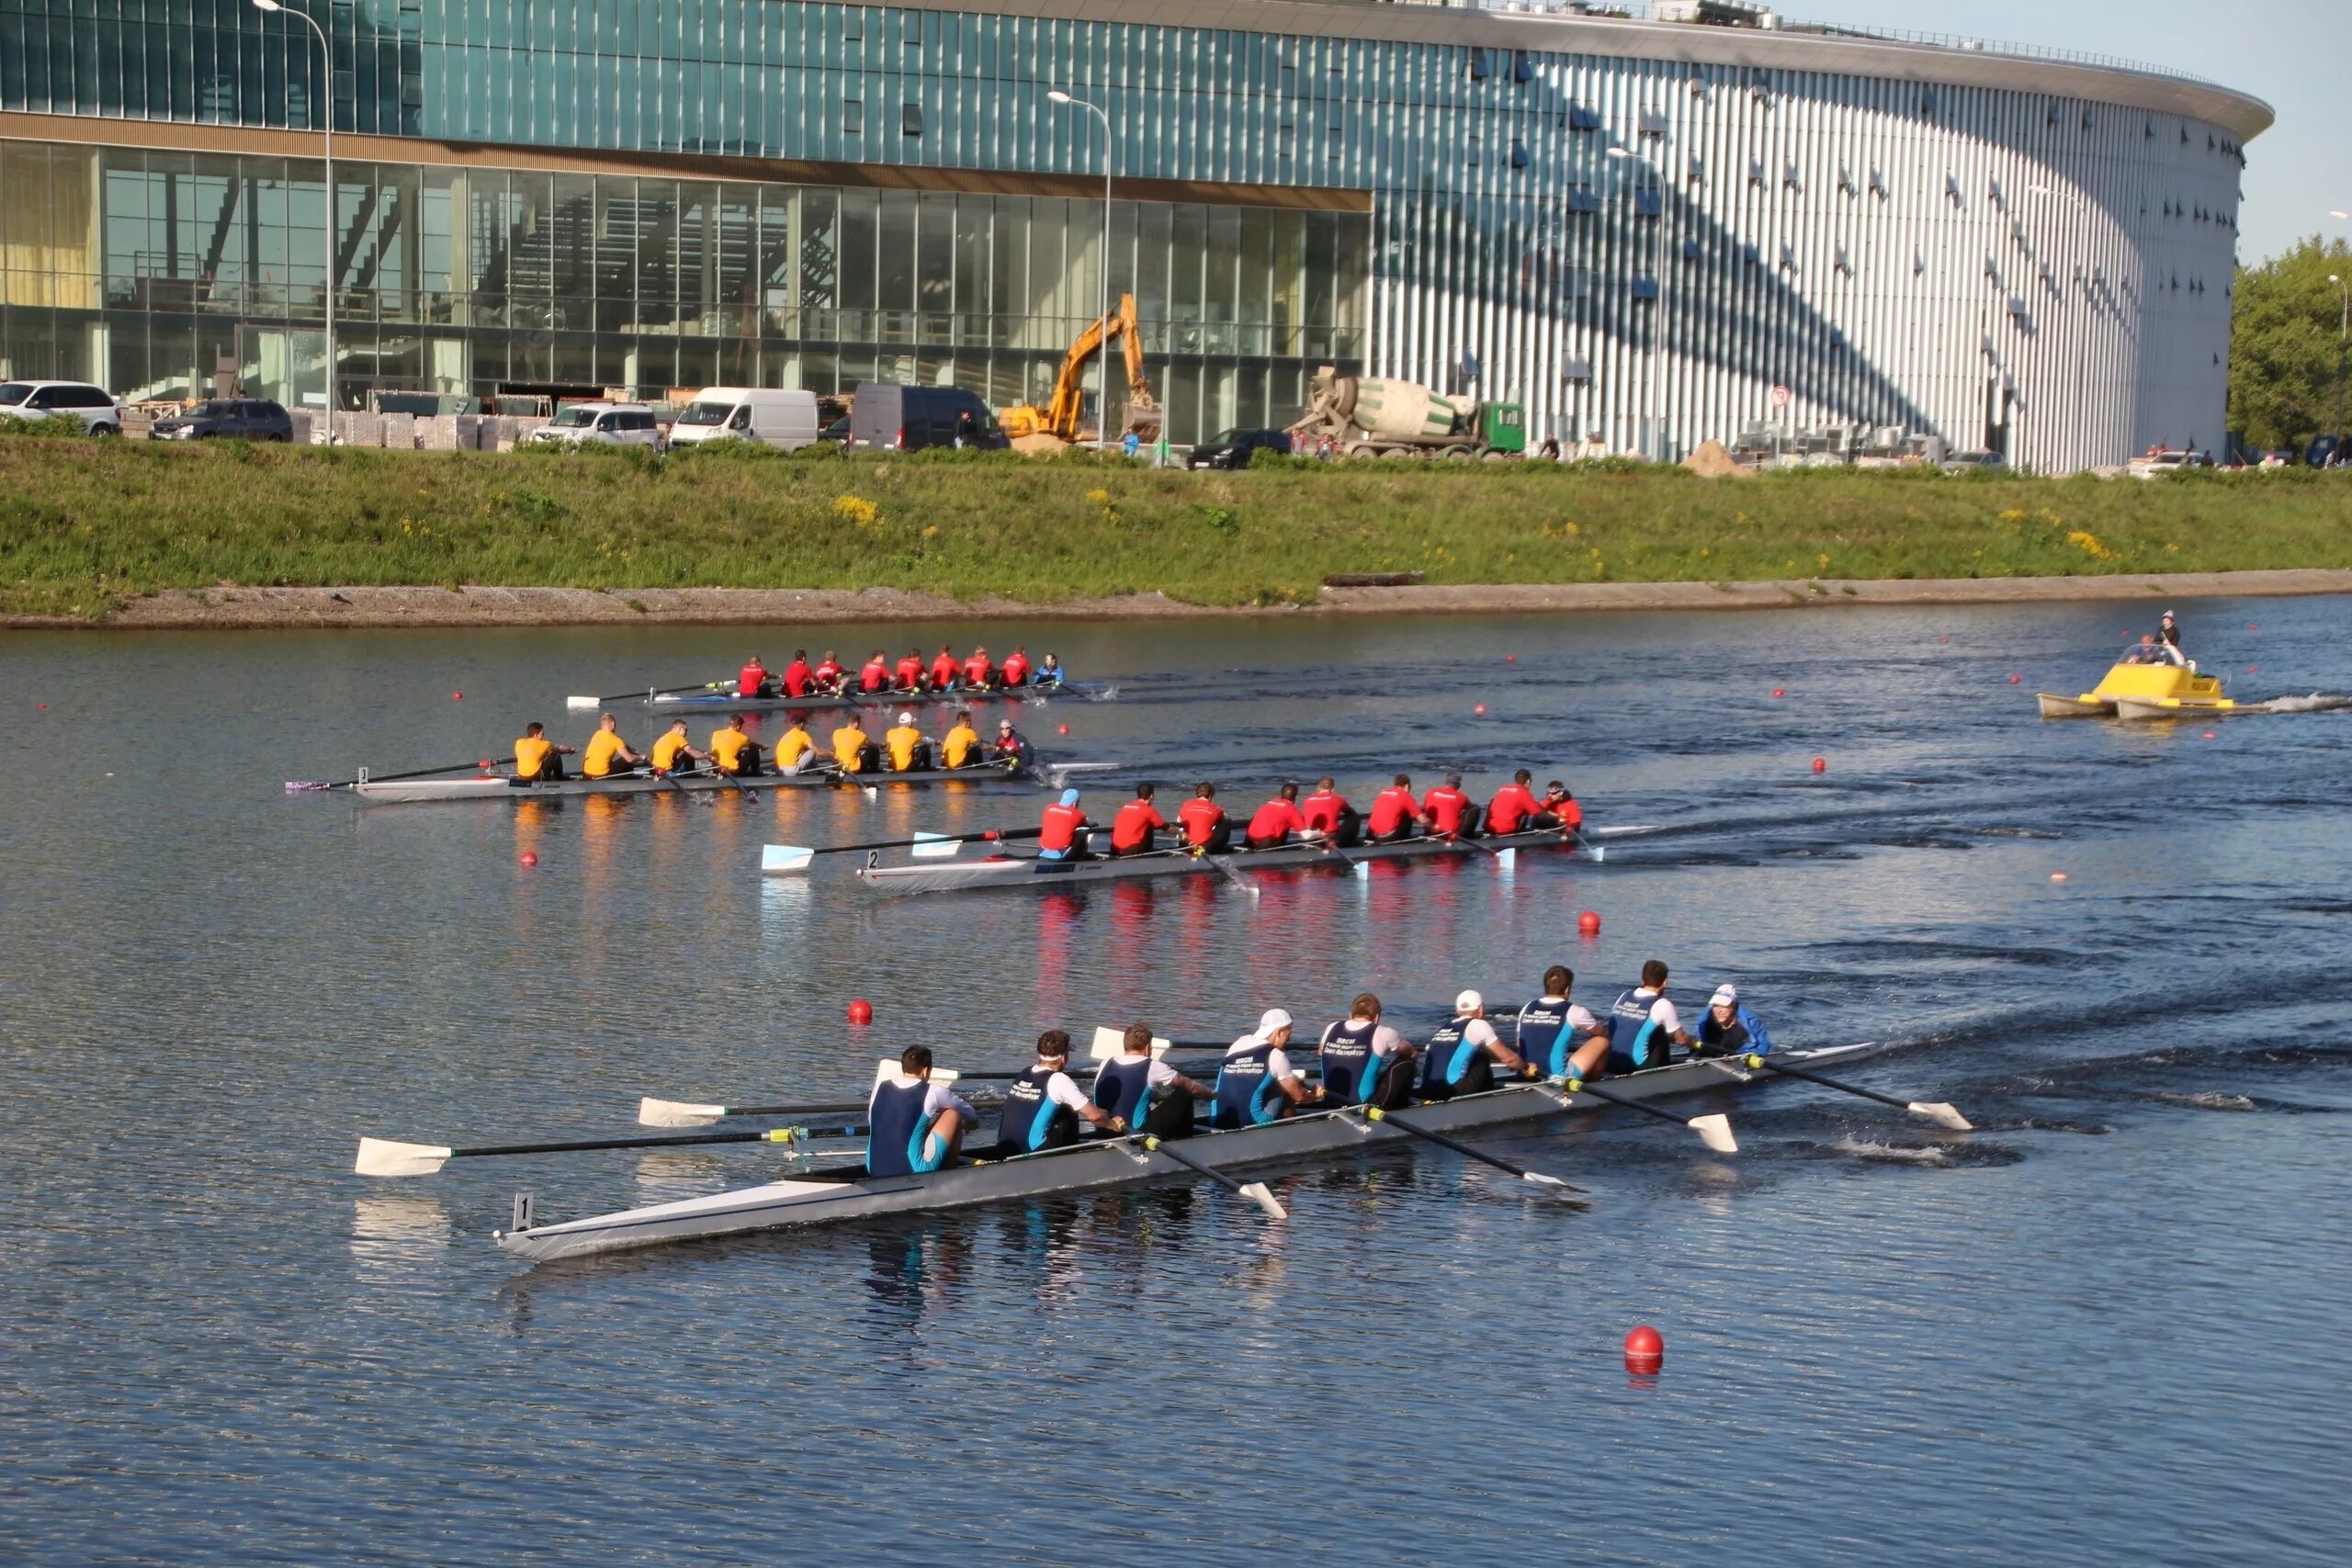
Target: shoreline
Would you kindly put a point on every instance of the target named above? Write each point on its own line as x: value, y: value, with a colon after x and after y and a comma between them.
x: 230, y: 609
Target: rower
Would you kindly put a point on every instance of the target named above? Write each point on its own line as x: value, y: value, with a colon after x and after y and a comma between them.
x: 942, y: 669
x: 962, y: 746
x: 796, y: 748
x: 1365, y: 1062
x: 908, y: 677
x: 1448, y: 812
x: 913, y: 1125
x: 910, y: 750
x: 1278, y: 822
x: 1011, y: 745
x: 1462, y: 1056
x: 1016, y: 667
x: 979, y: 670
x: 1515, y: 809
x: 1255, y: 1084
x: 539, y: 760
x: 1729, y: 1029
x: 672, y: 752
x: 797, y: 676
x: 1133, y: 826
x: 1643, y: 1028
x: 1559, y: 1038
x: 1050, y: 672
x: 734, y: 752
x: 853, y: 750
x: 876, y: 676
x: 1563, y: 805
x: 1135, y: 1081
x: 826, y: 675
x: 1206, y: 830
x: 1061, y: 833
x: 1395, y: 814
x: 751, y: 680
x: 1326, y: 812
x: 1044, y: 1106
x: 607, y: 753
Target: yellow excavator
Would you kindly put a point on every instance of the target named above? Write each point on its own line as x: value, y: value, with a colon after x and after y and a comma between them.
x: 1051, y: 428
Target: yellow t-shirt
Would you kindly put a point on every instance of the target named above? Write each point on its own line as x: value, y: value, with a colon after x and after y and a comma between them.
x: 961, y: 742
x: 727, y: 746
x: 531, y: 754
x: 903, y: 740
x: 667, y: 751
x: 847, y: 741
x: 796, y: 743
x: 596, y: 760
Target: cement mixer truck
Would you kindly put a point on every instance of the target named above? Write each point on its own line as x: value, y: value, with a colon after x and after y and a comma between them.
x: 1374, y: 416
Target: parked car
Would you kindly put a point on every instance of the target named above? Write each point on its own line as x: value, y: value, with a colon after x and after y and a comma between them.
x: 2157, y: 464
x: 1972, y: 462
x: 1232, y: 449
x: 909, y: 419
x: 93, y: 406
x: 837, y: 431
x: 249, y: 419
x: 769, y: 414
x: 599, y: 424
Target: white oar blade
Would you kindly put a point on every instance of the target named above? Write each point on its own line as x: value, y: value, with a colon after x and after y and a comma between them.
x: 1715, y: 1133
x: 785, y: 860
x: 383, y: 1156
x: 1506, y: 859
x: 1108, y: 1044
x: 652, y: 1112
x: 578, y: 703
x: 1541, y: 1180
x: 1942, y: 1115
x: 871, y: 793
x: 1256, y: 1193
x: 935, y: 846
x: 1600, y: 853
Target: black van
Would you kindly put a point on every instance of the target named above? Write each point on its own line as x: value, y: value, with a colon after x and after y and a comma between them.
x: 908, y: 419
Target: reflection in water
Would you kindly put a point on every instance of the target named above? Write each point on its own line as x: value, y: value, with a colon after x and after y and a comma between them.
x: 399, y: 1236
x: 1045, y: 1233
x: 913, y: 1271
x: 1058, y: 923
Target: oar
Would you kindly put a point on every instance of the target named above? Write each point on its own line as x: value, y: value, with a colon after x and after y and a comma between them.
x: 1505, y: 859
x: 1390, y: 1118
x: 577, y: 702
x: 1254, y: 1191
x: 1714, y: 1131
x: 1938, y: 1111
x: 296, y: 787
x: 652, y: 1112
x: 1231, y: 875
x: 385, y: 1157
x: 791, y: 860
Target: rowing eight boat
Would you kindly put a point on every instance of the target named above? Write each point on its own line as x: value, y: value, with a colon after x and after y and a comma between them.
x: 811, y: 1199
x: 720, y: 698
x: 411, y: 791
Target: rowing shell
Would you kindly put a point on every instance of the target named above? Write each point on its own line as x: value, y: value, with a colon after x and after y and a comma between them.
x: 410, y: 791
x: 1110, y: 1162
x: 726, y: 702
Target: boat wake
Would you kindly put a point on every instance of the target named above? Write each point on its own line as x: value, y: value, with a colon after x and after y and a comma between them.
x: 1900, y: 1154
x: 2206, y: 1102
x: 1107, y: 695
x: 2316, y: 703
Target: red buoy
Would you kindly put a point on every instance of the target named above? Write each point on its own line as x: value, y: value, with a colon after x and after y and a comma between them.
x: 457, y: 696
x: 1645, y: 1349
x: 43, y: 707
x: 1588, y: 923
x: 1511, y: 658
x: 1820, y: 764
x: 1063, y: 730
x: 530, y: 858
x: 861, y: 1012
x: 2015, y: 678
x: 1480, y: 710
x: 2254, y: 668
x: 2057, y: 877
x: 1780, y: 690
x: 2209, y: 735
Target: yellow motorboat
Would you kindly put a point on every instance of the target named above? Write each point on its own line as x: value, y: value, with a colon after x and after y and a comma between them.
x: 2142, y: 691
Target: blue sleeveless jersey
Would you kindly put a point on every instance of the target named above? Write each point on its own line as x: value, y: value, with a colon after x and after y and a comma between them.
x: 1448, y: 1057
x: 1030, y: 1121
x: 1351, y: 1071
x: 1124, y: 1088
x: 1246, y: 1094
x: 897, y: 1139
x: 1543, y: 1037
x: 1634, y: 1039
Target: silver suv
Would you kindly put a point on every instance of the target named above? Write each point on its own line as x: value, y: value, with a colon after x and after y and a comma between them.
x: 93, y: 406
x: 599, y: 424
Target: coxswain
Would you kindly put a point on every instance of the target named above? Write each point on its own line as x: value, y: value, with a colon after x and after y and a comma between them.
x: 1044, y: 1106
x: 1142, y: 1092
x: 1643, y: 1028
x: 876, y: 676
x: 1208, y: 832
x: 826, y: 675
x: 1011, y: 744
x: 732, y: 751
x: 751, y: 680
x: 961, y: 749
x: 913, y: 1124
x: 1255, y: 1083
x: 1395, y: 813
x: 1729, y: 1029
x: 674, y: 753
x: 1278, y: 822
x: 1562, y: 807
x: 979, y: 670
x: 1462, y: 1056
x: 1061, y: 833
x: 796, y: 748
x: 909, y: 749
x: 1050, y: 672
x: 853, y: 750
x: 942, y: 669
x: 798, y: 677
x: 1133, y: 826
x: 1326, y: 812
x: 908, y: 676
x: 1448, y: 812
x: 1364, y: 1062
x: 607, y: 753
x: 1556, y: 1037
x: 539, y: 760
x: 1016, y: 667
x: 1515, y: 809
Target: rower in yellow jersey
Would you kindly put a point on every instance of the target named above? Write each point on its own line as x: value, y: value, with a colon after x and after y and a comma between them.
x: 962, y: 746
x: 853, y: 748
x: 795, y: 747
x: 910, y: 751
x: 607, y: 753
x: 734, y: 751
x: 674, y: 753
x: 538, y: 758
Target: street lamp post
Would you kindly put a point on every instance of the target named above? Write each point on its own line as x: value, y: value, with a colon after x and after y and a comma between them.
x: 1657, y: 314
x: 2342, y: 337
x: 1102, y: 421
x: 326, y: 128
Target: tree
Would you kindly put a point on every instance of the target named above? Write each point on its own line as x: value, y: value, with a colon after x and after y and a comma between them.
x: 2286, y: 355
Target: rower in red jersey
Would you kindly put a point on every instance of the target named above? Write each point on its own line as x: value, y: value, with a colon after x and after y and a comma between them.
x: 1016, y: 667
x: 908, y: 676
x: 1448, y: 811
x: 828, y: 674
x: 1137, y: 820
x: 1061, y: 833
x: 1206, y: 830
x: 876, y: 676
x: 979, y: 670
x: 1515, y: 809
x: 1395, y: 814
x: 1326, y: 812
x: 1277, y: 821
x: 753, y: 680
x: 1563, y: 805
x: 942, y: 669
x: 797, y: 676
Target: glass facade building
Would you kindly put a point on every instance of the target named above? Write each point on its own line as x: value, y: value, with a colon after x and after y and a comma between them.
x: 1634, y: 228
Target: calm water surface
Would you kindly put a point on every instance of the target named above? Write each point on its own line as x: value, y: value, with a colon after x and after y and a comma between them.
x: 2107, y: 1327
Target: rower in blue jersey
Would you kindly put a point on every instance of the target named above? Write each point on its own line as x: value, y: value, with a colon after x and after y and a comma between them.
x: 1729, y: 1029
x: 1255, y: 1083
x: 1050, y: 674
x: 1462, y: 1056
x: 1364, y: 1062
x: 913, y: 1123
x: 1139, y: 1091
x: 1044, y: 1106
x: 1643, y: 1028
x: 1560, y: 1038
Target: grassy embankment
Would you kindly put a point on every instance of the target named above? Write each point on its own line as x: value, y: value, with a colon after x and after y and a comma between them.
x: 85, y: 524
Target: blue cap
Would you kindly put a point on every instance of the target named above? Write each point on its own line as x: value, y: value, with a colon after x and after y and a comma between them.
x: 1070, y: 797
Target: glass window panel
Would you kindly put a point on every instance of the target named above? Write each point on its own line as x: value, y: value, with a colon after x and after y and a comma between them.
x: 1290, y: 246
x: 1257, y: 260
x: 1321, y: 233
x: 935, y: 254
x: 861, y: 219
x: 973, y: 248
x: 1154, y: 220
x: 1223, y: 260
x: 737, y: 287
x: 1350, y: 268
x: 1009, y: 282
x: 820, y: 249
x: 897, y: 255
x: 697, y: 253
x: 1186, y: 263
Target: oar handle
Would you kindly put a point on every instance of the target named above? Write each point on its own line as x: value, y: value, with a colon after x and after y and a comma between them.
x: 1755, y: 1061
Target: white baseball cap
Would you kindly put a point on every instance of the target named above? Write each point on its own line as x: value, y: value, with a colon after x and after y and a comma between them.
x: 1725, y: 997
x: 1468, y: 1001
x: 906, y: 718
x: 1272, y: 1019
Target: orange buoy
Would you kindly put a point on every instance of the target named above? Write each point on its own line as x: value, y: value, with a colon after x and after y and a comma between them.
x: 861, y: 1012
x: 2254, y: 668
x: 1645, y: 1349
x: 2057, y: 877
x: 1588, y: 923
x: 530, y: 858
x: 2209, y: 735
x: 1511, y: 658
x: 1820, y: 766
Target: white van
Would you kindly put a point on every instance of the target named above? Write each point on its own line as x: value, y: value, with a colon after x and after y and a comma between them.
x: 599, y: 424
x: 776, y: 416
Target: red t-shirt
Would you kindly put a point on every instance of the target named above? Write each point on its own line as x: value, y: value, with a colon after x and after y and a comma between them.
x: 1321, y: 811
x: 748, y: 683
x: 828, y: 671
x: 1275, y: 819
x: 976, y: 670
x: 1059, y: 827
x: 943, y: 671
x: 1571, y: 815
x: 875, y: 676
x: 910, y: 671
x: 1391, y: 810
x: 1201, y: 819
x: 1443, y: 806
x: 1511, y: 806
x: 1016, y: 669
x: 1135, y: 820
x: 797, y: 676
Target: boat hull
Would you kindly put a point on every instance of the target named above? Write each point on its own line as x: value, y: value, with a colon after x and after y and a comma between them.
x: 725, y: 701
x: 410, y: 792
x: 2137, y: 711
x: 2054, y: 706
x: 2142, y: 685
